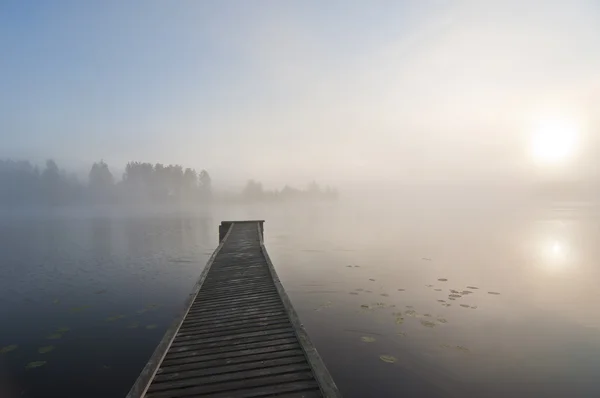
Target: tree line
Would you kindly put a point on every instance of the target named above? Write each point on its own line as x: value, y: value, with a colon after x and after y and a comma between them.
x: 25, y: 184
x: 254, y: 191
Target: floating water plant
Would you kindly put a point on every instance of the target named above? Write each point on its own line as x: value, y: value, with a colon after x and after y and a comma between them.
x: 46, y: 349
x: 367, y: 339
x: 153, y: 326
x: 428, y: 324
x: 388, y: 358
x: 36, y: 364
x: 8, y: 348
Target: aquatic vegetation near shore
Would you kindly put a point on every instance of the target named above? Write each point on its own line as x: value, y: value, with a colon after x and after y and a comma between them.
x: 36, y: 364
x: 472, y: 287
x: 62, y: 330
x: 55, y: 336
x: 153, y: 326
x: 388, y: 358
x: 367, y: 339
x: 495, y: 293
x: 443, y: 280
x: 465, y: 306
x: 428, y: 324
x: 442, y: 320
x: 8, y: 348
x: 46, y: 349
x: 115, y: 318
x: 411, y: 312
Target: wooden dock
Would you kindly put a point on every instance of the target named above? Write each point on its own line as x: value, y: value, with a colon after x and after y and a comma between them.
x: 239, y: 335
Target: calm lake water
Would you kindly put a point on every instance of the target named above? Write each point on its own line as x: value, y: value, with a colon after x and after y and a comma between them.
x: 479, y: 301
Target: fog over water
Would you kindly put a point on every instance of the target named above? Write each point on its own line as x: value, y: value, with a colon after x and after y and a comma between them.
x: 428, y: 172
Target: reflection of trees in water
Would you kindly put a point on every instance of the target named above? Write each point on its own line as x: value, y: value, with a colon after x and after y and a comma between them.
x: 101, y: 237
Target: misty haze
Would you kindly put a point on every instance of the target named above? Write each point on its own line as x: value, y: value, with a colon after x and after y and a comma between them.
x: 428, y: 173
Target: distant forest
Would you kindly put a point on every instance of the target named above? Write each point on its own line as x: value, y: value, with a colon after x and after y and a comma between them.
x: 26, y: 184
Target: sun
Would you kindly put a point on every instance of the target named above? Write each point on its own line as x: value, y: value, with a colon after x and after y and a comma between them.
x: 554, y: 141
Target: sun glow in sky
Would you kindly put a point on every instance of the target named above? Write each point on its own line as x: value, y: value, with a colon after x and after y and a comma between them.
x: 554, y: 141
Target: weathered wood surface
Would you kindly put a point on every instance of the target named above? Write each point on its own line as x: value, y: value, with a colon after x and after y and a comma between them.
x: 239, y: 335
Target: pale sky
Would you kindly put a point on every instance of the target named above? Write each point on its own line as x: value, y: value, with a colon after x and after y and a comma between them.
x: 286, y: 91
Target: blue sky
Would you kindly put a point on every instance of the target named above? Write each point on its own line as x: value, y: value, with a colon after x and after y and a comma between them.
x: 294, y: 90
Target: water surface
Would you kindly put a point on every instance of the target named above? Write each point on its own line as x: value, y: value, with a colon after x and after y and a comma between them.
x: 421, y: 301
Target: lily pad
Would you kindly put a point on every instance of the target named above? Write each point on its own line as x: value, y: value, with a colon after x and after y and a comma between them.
x: 55, y: 336
x: 465, y: 292
x: 462, y: 349
x: 385, y: 295
x: 62, y: 330
x: 359, y: 290
x: 455, y: 295
x: 367, y: 339
x: 443, y: 280
x: 133, y: 325
x: 111, y: 319
x: 409, y: 306
x: 428, y: 324
x: 36, y: 364
x: 100, y: 291
x: 401, y: 334
x: 348, y: 266
x: 451, y: 298
x: 142, y: 311
x: 8, y: 348
x: 399, y: 320
x: 79, y: 309
x: 153, y: 326
x: 429, y: 285
x: 495, y: 293
x: 411, y: 312
x: 442, y: 320
x: 438, y: 290
x: 46, y: 349
x: 427, y: 315
x: 472, y: 287
x: 354, y: 293
x: 365, y: 306
x: 447, y: 305
x: 55, y: 301
x: 401, y: 290
x: 368, y: 291
x: 372, y: 280
x: 442, y: 301
x: 388, y: 358
x: 474, y: 307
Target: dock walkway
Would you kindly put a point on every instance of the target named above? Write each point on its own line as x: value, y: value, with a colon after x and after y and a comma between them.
x: 239, y: 335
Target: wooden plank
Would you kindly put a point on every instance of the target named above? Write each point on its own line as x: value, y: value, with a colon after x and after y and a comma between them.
x: 239, y: 335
